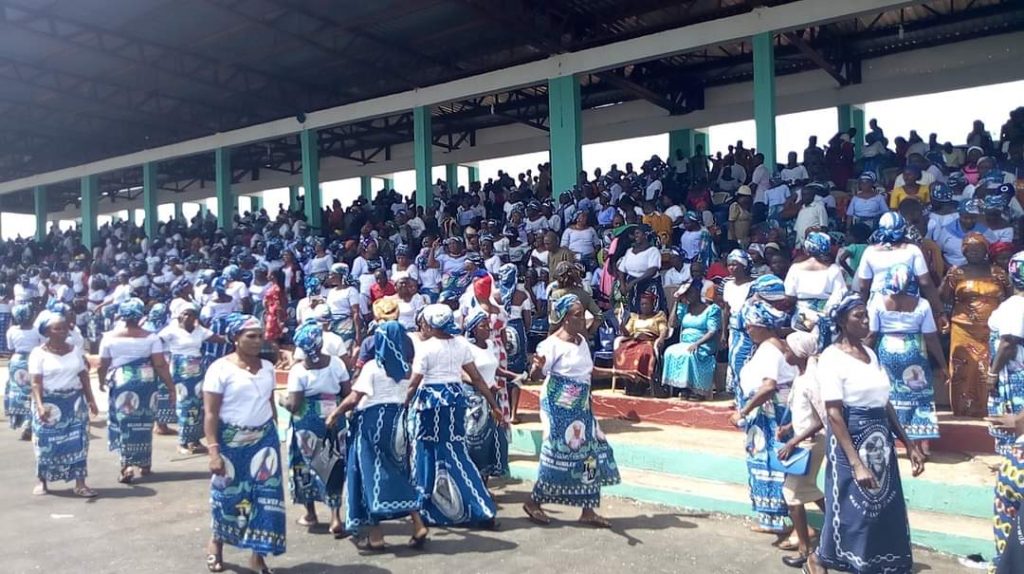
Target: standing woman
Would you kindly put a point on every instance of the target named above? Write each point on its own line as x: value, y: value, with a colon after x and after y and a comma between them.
x: 904, y: 335
x: 315, y: 386
x: 638, y: 272
x: 61, y: 394
x: 486, y: 438
x: 975, y: 290
x: 690, y: 363
x: 519, y: 310
x: 765, y: 381
x: 22, y: 337
x: 734, y: 295
x: 437, y: 404
x: 865, y: 527
x: 155, y: 321
x: 1006, y: 373
x: 815, y: 281
x: 132, y: 363
x: 343, y: 299
x: 212, y: 314
x: 275, y: 310
x: 183, y: 340
x: 246, y: 492
x: 575, y: 459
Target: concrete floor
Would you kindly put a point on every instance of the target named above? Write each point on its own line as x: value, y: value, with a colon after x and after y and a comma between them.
x: 161, y: 523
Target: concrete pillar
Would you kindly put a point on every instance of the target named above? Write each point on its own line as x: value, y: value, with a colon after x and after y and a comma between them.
x: 566, y: 133
x: 423, y: 148
x: 389, y: 183
x: 257, y: 203
x: 179, y: 212
x: 311, y: 178
x: 90, y: 194
x: 764, y: 96
x: 366, y: 187
x: 700, y: 138
x: 451, y: 175
x: 41, y: 211
x: 474, y: 173
x: 293, y: 197
x: 852, y: 116
x: 227, y: 202
x: 149, y: 204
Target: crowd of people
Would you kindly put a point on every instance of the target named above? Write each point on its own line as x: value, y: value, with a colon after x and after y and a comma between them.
x: 407, y: 332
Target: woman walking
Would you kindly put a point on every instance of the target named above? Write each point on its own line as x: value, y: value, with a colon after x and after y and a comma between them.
x: 22, y: 338
x: 165, y: 414
x: 343, y: 299
x: 486, y: 439
x: 183, y: 340
x: 865, y: 528
x: 315, y: 386
x: 1006, y: 371
x: 734, y: 295
x: 690, y: 363
x: 817, y: 280
x: 246, y: 492
x: 63, y: 401
x: 132, y: 364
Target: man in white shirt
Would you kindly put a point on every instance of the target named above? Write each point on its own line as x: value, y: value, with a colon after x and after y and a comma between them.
x: 812, y: 213
x: 761, y: 173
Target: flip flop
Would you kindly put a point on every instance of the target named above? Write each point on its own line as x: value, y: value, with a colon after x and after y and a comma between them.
x: 417, y: 542
x: 84, y: 492
x: 214, y: 564
x: 596, y: 522
x: 536, y: 517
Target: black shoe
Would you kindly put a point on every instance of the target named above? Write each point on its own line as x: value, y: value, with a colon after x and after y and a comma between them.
x: 797, y: 561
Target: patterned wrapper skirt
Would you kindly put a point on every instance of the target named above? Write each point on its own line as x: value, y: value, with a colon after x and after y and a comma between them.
x: 131, y: 411
x: 766, y: 485
x: 865, y: 530
x: 515, y: 335
x: 486, y: 441
x: 308, y: 428
x: 1008, y: 398
x: 441, y: 464
x: 1007, y: 526
x: 247, y: 503
x: 187, y: 373
x: 343, y: 327
x: 968, y: 364
x: 5, y: 322
x: 377, y: 472
x: 910, y: 376
x: 166, y: 412
x: 741, y: 348
x: 62, y: 442
x: 18, y: 392
x: 575, y: 458
x: 637, y: 355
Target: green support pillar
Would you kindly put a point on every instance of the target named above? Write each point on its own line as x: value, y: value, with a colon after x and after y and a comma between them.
x: 700, y: 138
x: 293, y: 197
x: 41, y: 211
x: 451, y: 175
x: 179, y: 212
x: 149, y: 204
x: 366, y: 187
x: 90, y: 194
x: 852, y: 116
x: 474, y: 173
x: 257, y: 203
x: 566, y: 133
x: 423, y: 155
x: 227, y: 203
x: 389, y: 183
x: 764, y: 96
x: 311, y: 178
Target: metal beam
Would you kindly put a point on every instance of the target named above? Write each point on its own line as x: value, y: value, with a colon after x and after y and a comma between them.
x: 815, y: 56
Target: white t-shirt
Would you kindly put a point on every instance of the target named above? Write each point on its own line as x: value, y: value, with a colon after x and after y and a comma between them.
x: 23, y: 340
x: 570, y: 360
x: 342, y: 300
x: 579, y: 241
x: 735, y: 295
x: 1008, y: 318
x: 673, y: 278
x: 816, y: 283
x: 123, y: 350
x: 773, y: 196
x: 876, y: 261
x: 805, y: 404
x: 767, y: 362
x: 238, y: 292
x: 245, y: 397
x: 324, y: 381
x: 486, y: 362
x: 407, y: 309
x: 378, y: 388
x: 59, y: 372
x: 333, y: 345
x: 882, y: 320
x: 451, y: 264
x: 791, y: 174
x: 636, y: 264
x: 440, y: 361
x: 178, y: 341
x: 848, y: 379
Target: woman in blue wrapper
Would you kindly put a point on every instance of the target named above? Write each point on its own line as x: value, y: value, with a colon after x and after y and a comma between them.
x: 441, y: 464
x: 132, y: 365
x: 575, y: 459
x: 865, y: 528
x: 1006, y: 372
x: 380, y: 486
x: 165, y: 414
x: 247, y: 490
x: 22, y: 337
x: 343, y: 300
x: 315, y: 386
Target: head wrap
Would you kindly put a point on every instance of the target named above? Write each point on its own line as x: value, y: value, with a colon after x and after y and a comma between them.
x: 802, y: 343
x: 473, y: 320
x: 1016, y: 270
x: 482, y: 288
x: 692, y: 217
x: 440, y: 317
x: 996, y: 202
x: 474, y: 258
x: 235, y: 323
x: 131, y: 310
x: 899, y: 279
x: 971, y: 207
x: 999, y: 248
x: 563, y: 269
x: 179, y: 286
x: 868, y: 176
x: 974, y: 239
x: 312, y: 285
x: 892, y: 229
x: 563, y: 304
x: 158, y: 315
x: 188, y: 307
x: 828, y: 324
x: 756, y: 248
x: 390, y: 350
x: 741, y: 257
x: 508, y: 278
x: 232, y: 272
x: 46, y: 320
x: 768, y: 287
x: 385, y: 309
x: 220, y: 285
x: 762, y: 314
x: 59, y: 307
x: 941, y: 193
x: 817, y: 244
x: 309, y: 337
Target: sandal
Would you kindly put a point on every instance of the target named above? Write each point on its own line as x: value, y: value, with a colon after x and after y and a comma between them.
x: 364, y: 545
x: 214, y: 564
x: 306, y: 522
x: 596, y: 521
x: 536, y: 516
x: 84, y: 492
x: 339, y: 532
x: 417, y: 541
x: 126, y: 476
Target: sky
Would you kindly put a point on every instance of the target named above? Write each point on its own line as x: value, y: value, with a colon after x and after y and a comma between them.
x: 948, y: 114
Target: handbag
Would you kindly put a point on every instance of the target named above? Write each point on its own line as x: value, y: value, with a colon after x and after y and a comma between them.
x: 797, y: 463
x: 327, y: 462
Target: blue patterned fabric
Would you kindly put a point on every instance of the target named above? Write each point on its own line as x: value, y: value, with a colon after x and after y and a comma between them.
x: 562, y: 306
x: 508, y: 279
x: 865, y: 531
x: 765, y: 484
x: 309, y: 337
x: 247, y: 503
x: 308, y: 427
x: 5, y: 322
x: 377, y: 473
x: 1015, y: 268
x: 1009, y: 394
x: 911, y: 394
x: 213, y: 351
x: 130, y: 416
x: 741, y: 348
x: 18, y: 392
x: 486, y: 441
x: 515, y: 339
x: 61, y: 443
x: 390, y: 349
x: 695, y: 371
x: 1008, y: 525
x: 131, y: 310
x: 817, y: 244
x: 892, y: 229
x: 899, y: 279
x: 187, y: 374
x: 742, y: 257
x: 440, y: 317
x: 22, y: 313
x: 575, y: 458
x: 441, y: 464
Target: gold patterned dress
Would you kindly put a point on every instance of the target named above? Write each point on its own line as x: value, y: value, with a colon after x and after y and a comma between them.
x: 637, y: 353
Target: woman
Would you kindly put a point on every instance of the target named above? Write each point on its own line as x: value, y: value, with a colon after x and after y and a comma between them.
x: 642, y: 342
x: 734, y: 295
x: 998, y: 217
x: 696, y: 242
x: 379, y: 484
x: 581, y: 238
x: 404, y: 265
x: 61, y: 394
x: 576, y: 460
x: 904, y: 335
x: 246, y: 493
x: 429, y: 269
x: 258, y: 289
x: 865, y: 526
x: 22, y: 337
x: 911, y: 188
x: 764, y: 385
x: 314, y: 297
x: 440, y: 460
x: 364, y: 268
x: 165, y: 415
x: 212, y: 314
x: 975, y: 290
x: 315, y: 385
x: 275, y: 310
x: 690, y: 363
x: 638, y: 272
x: 815, y: 281
x: 410, y: 301
x: 867, y: 205
x: 183, y: 295
x: 758, y: 260
x: 518, y: 304
x: 131, y: 362
x: 1006, y: 372
x: 183, y: 339
x: 343, y: 299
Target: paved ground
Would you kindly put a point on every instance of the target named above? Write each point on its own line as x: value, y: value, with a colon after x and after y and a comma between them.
x: 160, y: 524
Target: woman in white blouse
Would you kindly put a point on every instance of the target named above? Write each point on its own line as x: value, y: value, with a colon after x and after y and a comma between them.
x: 817, y: 280
x: 638, y: 271
x: 63, y: 401
x: 865, y: 511
x: 343, y: 299
x: 22, y: 337
x: 246, y: 491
